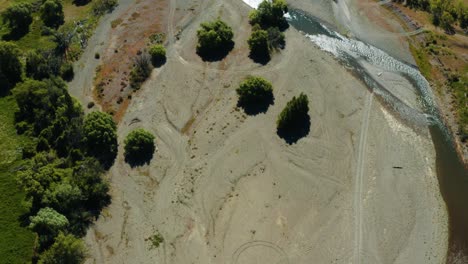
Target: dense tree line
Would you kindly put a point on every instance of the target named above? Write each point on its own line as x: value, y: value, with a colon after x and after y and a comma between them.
x: 445, y: 13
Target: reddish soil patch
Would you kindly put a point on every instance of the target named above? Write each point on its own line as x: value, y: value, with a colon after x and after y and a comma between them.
x: 130, y: 36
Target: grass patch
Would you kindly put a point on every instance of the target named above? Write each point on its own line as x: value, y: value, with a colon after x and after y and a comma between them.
x: 422, y: 60
x: 16, y: 243
x: 459, y: 86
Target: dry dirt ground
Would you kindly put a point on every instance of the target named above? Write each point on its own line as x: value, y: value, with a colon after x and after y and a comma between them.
x: 224, y: 188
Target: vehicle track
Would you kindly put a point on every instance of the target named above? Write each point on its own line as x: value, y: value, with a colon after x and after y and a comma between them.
x: 359, y: 179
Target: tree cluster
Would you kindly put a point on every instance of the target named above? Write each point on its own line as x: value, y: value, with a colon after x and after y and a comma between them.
x: 214, y: 40
x: 445, y: 13
x: 267, y: 22
x: 139, y: 147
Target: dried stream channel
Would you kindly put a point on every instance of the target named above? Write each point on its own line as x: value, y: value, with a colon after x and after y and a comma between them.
x: 362, y: 59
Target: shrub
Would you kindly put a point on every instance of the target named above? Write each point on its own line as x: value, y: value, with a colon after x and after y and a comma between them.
x: 214, y: 40
x: 42, y: 64
x: 294, y: 121
x: 66, y: 249
x: 100, y: 7
x: 10, y: 66
x: 139, y: 147
x: 100, y: 137
x: 47, y: 223
x: 255, y: 94
x: 18, y: 17
x: 158, y: 54
x: 141, y: 71
x: 270, y: 14
x: 275, y: 39
x: 52, y: 13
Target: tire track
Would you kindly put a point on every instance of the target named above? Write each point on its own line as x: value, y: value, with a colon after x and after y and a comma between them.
x: 359, y: 179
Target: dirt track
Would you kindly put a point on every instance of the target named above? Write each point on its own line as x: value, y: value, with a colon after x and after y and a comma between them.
x: 224, y: 188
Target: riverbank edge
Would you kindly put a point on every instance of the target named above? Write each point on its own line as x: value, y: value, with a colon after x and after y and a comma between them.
x: 443, y: 95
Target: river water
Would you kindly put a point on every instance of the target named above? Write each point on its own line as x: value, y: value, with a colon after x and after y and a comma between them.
x: 453, y: 177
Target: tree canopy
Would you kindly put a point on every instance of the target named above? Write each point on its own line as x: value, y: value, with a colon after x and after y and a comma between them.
x: 10, y: 66
x: 214, y: 40
x: 48, y: 109
x: 139, y: 147
x: 258, y: 44
x: 270, y: 14
x: 255, y: 94
x: 100, y: 137
x: 52, y: 13
x: 66, y: 249
x: 18, y: 17
x: 294, y: 121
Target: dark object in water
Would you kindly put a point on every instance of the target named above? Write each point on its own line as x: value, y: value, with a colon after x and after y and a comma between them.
x: 397, y: 167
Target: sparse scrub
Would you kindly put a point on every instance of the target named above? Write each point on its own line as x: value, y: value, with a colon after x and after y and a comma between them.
x: 141, y: 70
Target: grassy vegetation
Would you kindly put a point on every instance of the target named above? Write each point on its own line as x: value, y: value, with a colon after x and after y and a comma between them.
x: 16, y: 243
x: 459, y: 86
x: 422, y: 60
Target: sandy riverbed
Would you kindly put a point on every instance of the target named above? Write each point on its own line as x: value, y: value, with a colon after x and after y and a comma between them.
x: 224, y: 188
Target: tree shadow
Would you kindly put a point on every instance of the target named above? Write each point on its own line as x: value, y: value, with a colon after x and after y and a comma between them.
x: 139, y: 159
x: 81, y: 2
x: 158, y: 63
x: 262, y: 57
x: 296, y: 130
x: 211, y: 55
x: 258, y: 106
x: 15, y: 34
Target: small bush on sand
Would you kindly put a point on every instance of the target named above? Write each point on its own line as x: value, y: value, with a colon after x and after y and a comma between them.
x: 158, y: 55
x: 141, y: 70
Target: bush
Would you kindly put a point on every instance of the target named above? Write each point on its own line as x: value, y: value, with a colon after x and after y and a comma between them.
x: 141, y: 71
x: 214, y: 40
x: 52, y: 13
x: 47, y: 223
x: 294, y: 121
x: 275, y: 39
x: 42, y: 64
x: 139, y: 147
x: 100, y: 137
x: 270, y: 14
x: 66, y: 249
x: 255, y: 95
x: 10, y: 66
x: 100, y: 7
x: 158, y: 55
x: 18, y: 17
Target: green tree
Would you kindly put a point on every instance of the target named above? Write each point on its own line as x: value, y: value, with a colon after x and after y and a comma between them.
x: 100, y: 137
x: 87, y: 176
x: 47, y: 223
x: 275, y: 38
x: 158, y: 54
x: 214, y: 39
x: 67, y: 249
x: 294, y: 122
x: 52, y: 13
x: 446, y: 22
x: 139, y: 147
x: 258, y: 44
x: 255, y: 94
x: 18, y: 17
x: 270, y: 14
x: 10, y: 66
x: 42, y: 64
